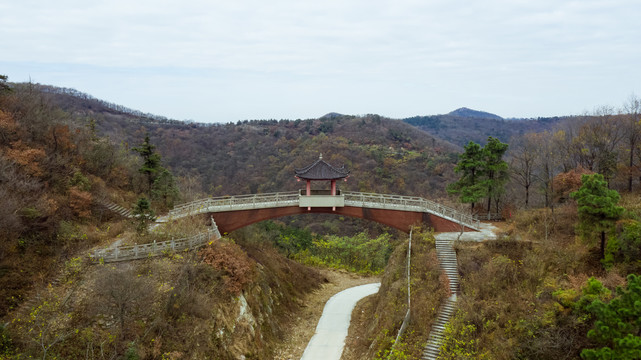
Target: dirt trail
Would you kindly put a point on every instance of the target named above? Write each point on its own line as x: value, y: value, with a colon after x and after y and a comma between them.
x: 302, y: 326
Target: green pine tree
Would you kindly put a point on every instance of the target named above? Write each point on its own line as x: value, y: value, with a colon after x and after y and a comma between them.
x: 143, y: 215
x: 598, y: 210
x: 483, y: 173
x: 151, y: 161
x: 470, y: 186
x: 495, y: 170
x: 4, y: 87
x: 164, y: 189
x: 618, y: 324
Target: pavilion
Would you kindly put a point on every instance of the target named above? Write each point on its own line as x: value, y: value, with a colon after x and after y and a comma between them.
x: 321, y: 171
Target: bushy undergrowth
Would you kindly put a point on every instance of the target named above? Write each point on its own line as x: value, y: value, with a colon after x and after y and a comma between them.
x: 232, y: 261
x: 359, y: 253
x: 180, y: 228
x: 228, y: 302
x: 525, y: 296
x: 389, y: 306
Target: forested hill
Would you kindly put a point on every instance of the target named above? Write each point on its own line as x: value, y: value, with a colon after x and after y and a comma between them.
x: 383, y: 155
x: 464, y: 125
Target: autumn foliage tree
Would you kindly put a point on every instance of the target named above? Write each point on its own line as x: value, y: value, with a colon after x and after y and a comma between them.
x: 238, y: 269
x: 568, y: 182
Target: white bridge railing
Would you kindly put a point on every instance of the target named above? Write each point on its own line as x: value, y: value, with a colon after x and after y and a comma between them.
x: 233, y: 203
x: 124, y: 253
x: 408, y: 203
x: 357, y: 199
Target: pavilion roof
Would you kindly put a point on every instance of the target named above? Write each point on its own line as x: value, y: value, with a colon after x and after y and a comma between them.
x: 320, y: 170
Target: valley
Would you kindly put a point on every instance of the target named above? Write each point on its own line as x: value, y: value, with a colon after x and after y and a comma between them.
x: 79, y: 176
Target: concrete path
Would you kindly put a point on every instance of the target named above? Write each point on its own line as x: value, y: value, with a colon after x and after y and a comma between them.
x: 329, y: 339
x: 488, y: 232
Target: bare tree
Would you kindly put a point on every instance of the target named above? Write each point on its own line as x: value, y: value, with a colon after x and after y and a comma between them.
x: 124, y: 294
x: 632, y: 115
x: 548, y: 162
x: 522, y: 159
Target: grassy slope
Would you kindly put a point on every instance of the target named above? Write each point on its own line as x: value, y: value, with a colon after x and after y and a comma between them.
x: 517, y: 293
x: 382, y: 314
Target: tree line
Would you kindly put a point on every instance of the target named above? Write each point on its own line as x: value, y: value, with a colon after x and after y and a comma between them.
x: 607, y: 142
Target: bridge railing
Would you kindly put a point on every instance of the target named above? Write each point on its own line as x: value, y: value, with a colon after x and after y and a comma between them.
x: 124, y: 253
x: 240, y: 202
x: 409, y: 203
x: 352, y: 198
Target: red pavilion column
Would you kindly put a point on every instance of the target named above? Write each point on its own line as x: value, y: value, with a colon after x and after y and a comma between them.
x: 309, y: 192
x: 333, y: 192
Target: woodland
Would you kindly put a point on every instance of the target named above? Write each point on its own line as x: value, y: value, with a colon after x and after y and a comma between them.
x: 561, y: 282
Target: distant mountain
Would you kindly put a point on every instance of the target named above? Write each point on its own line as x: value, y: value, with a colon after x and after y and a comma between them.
x: 464, y: 125
x: 469, y: 113
x: 331, y: 115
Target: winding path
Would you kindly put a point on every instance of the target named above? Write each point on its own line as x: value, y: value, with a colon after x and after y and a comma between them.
x: 329, y: 339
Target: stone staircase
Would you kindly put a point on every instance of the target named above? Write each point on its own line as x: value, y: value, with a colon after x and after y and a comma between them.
x: 124, y: 212
x: 449, y: 264
x: 432, y: 349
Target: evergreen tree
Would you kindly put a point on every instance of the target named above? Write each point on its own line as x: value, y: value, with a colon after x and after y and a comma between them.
x: 618, y: 324
x: 164, y: 188
x: 151, y: 161
x: 4, y: 87
x: 598, y: 211
x: 471, y: 166
x: 483, y: 173
x: 495, y: 170
x: 143, y: 214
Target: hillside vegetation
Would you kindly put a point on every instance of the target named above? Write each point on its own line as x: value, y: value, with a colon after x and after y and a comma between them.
x: 564, y: 267
x: 382, y: 155
x: 57, y: 176
x: 461, y: 127
x: 382, y: 314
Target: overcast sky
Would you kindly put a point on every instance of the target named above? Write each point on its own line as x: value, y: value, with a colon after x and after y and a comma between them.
x: 221, y: 61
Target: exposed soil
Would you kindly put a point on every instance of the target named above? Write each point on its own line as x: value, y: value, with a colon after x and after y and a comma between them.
x: 303, y: 324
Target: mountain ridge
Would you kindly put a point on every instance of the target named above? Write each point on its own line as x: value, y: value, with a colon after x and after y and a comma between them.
x: 470, y: 113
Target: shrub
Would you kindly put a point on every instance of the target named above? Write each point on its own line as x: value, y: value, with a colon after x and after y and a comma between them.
x: 230, y: 258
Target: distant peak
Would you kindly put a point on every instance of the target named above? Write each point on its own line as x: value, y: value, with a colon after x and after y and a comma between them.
x: 466, y: 112
x: 331, y: 115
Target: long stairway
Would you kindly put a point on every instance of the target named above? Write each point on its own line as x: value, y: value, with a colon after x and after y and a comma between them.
x: 127, y: 213
x: 449, y: 264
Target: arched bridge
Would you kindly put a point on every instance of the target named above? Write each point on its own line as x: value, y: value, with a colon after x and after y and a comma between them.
x: 401, y: 212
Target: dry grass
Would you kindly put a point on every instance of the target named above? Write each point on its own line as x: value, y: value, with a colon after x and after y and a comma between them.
x: 390, y: 304
x: 514, y: 293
